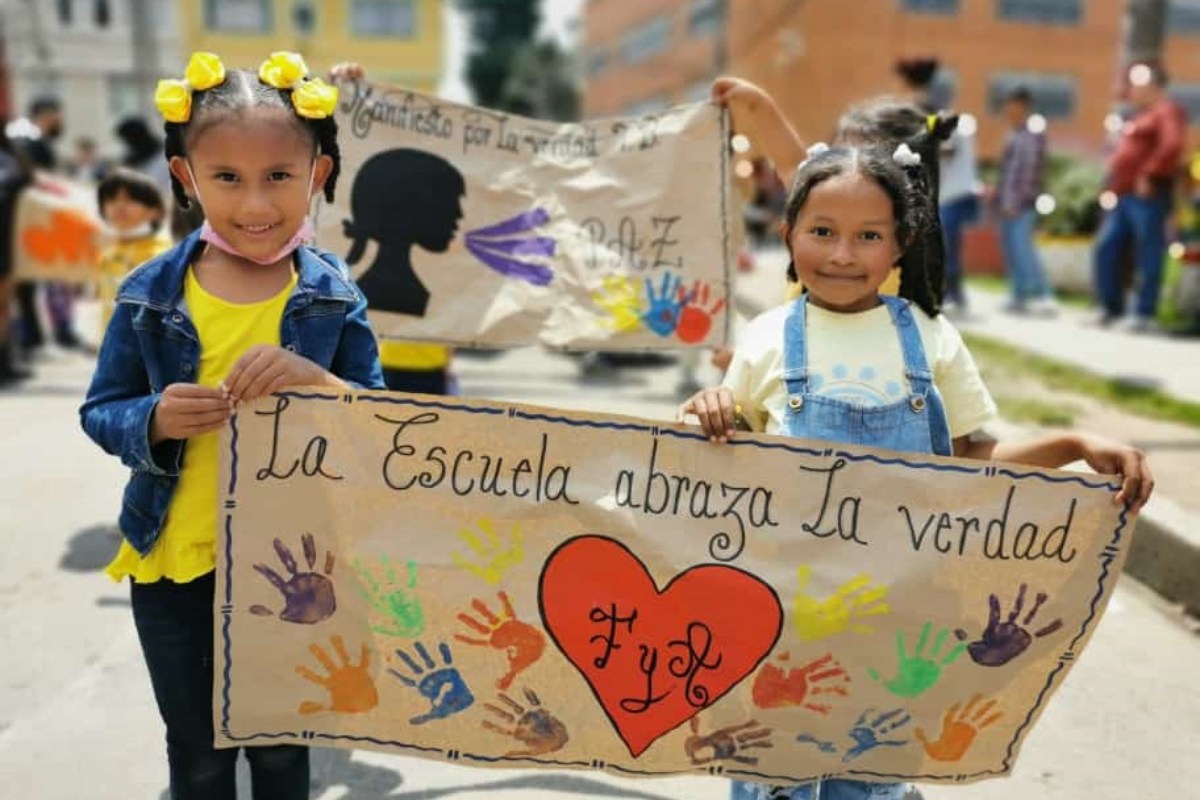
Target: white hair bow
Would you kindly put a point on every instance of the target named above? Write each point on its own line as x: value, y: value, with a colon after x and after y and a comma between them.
x: 813, y: 151
x: 905, y: 157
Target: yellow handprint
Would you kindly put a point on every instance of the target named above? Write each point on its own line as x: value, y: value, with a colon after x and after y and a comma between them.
x: 494, y: 559
x: 815, y: 619
x: 622, y: 299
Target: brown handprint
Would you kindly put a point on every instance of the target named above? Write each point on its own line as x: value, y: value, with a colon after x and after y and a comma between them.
x: 308, y: 596
x: 726, y: 743
x: 1001, y: 642
x: 695, y: 320
x: 523, y: 643
x: 536, y: 728
x: 959, y: 730
x: 774, y: 688
x: 351, y: 690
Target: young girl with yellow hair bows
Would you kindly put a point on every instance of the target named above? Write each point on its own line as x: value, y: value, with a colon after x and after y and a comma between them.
x: 239, y: 309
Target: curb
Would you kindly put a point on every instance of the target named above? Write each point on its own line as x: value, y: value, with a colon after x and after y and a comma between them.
x: 1165, y: 553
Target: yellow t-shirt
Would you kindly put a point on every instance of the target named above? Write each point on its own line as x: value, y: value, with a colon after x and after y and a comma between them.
x: 117, y: 260
x: 855, y: 358
x: 412, y: 355
x: 186, y: 548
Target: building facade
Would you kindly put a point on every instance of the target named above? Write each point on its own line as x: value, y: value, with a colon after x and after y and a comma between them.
x: 100, y: 57
x: 816, y: 57
x: 397, y: 41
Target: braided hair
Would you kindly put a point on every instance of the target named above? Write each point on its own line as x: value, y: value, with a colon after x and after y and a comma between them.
x: 911, y: 207
x: 240, y: 90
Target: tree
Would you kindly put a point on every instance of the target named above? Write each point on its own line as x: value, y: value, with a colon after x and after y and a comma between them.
x: 541, y: 83
x: 500, y: 29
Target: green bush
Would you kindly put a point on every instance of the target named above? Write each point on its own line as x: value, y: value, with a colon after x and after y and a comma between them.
x: 1075, y: 185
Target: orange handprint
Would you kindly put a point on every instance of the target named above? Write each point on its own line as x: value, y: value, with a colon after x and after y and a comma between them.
x: 351, y: 690
x: 959, y: 730
x: 523, y: 643
x: 773, y: 688
x: 67, y: 235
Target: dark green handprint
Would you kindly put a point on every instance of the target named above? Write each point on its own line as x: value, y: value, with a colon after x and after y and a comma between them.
x: 398, y: 610
x: 918, y: 672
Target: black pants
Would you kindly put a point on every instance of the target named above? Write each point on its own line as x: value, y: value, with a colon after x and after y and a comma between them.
x: 421, y: 381
x: 175, y: 626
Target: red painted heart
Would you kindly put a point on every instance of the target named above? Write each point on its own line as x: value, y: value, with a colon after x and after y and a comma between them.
x: 654, y: 659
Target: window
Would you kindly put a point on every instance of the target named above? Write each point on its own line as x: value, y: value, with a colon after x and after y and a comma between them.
x: 704, y: 17
x: 66, y: 11
x: 124, y: 96
x: 1044, y: 12
x: 943, y: 88
x: 304, y: 17
x: 647, y: 40
x: 101, y: 13
x: 1053, y: 95
x: 1183, y: 17
x: 238, y: 16
x: 1188, y: 96
x: 597, y: 62
x: 931, y: 6
x: 379, y: 18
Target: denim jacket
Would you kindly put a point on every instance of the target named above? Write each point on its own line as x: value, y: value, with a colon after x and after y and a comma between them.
x: 151, y: 343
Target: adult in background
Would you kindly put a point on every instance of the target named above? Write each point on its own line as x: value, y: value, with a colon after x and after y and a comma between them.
x: 14, y: 176
x: 143, y: 151
x: 1141, y: 175
x: 37, y: 145
x: 1019, y: 184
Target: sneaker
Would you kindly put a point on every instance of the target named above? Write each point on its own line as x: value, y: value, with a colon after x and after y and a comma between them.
x: 1015, y: 307
x: 1137, y: 324
x: 1044, y: 307
x: 1103, y: 319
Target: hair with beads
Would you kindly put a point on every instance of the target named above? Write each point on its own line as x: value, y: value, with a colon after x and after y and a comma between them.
x: 241, y: 90
x: 911, y: 207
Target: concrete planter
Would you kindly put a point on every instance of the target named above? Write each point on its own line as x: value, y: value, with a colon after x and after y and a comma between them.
x: 1068, y: 261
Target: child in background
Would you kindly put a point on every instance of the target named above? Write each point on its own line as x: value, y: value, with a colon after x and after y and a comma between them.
x: 845, y: 364
x: 237, y: 310
x: 133, y: 207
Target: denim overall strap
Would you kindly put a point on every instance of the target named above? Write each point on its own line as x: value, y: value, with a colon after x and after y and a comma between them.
x: 795, y: 363
x: 924, y: 397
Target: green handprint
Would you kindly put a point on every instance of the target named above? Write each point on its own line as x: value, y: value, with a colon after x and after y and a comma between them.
x: 399, y: 608
x: 917, y: 673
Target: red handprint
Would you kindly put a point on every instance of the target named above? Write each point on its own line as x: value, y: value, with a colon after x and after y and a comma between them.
x: 695, y: 320
x: 774, y: 688
x: 523, y: 643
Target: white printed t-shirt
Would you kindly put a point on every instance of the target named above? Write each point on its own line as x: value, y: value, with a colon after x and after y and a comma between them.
x: 855, y: 358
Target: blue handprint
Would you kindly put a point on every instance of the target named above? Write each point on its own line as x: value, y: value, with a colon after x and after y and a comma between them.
x: 445, y: 688
x: 664, y: 307
x: 866, y: 735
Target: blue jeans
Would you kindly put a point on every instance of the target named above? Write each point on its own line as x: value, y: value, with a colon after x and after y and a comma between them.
x: 820, y: 790
x: 1142, y: 222
x: 175, y: 626
x: 956, y: 215
x: 1026, y: 276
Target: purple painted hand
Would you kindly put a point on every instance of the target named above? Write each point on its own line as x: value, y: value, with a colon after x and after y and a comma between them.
x: 308, y: 596
x: 1001, y: 642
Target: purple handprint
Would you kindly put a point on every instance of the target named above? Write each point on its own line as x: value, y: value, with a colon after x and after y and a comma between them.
x: 505, y: 246
x: 1001, y: 642
x: 665, y: 306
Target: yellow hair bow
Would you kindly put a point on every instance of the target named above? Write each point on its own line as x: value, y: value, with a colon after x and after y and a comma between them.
x: 931, y: 122
x: 311, y: 97
x: 173, y: 98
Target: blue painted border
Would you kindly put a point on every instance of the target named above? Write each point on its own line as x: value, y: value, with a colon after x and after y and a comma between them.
x: 1106, y: 558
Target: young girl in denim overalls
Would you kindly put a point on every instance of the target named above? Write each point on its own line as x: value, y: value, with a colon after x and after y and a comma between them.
x: 844, y: 364
x: 238, y: 310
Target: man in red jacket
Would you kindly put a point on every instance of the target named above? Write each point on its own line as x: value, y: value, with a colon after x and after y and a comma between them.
x: 1141, y: 173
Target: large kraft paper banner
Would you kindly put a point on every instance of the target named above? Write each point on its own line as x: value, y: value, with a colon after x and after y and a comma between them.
x: 57, y: 232
x: 514, y: 586
x: 475, y: 227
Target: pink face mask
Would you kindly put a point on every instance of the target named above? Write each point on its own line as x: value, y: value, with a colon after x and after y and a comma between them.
x: 208, y: 234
